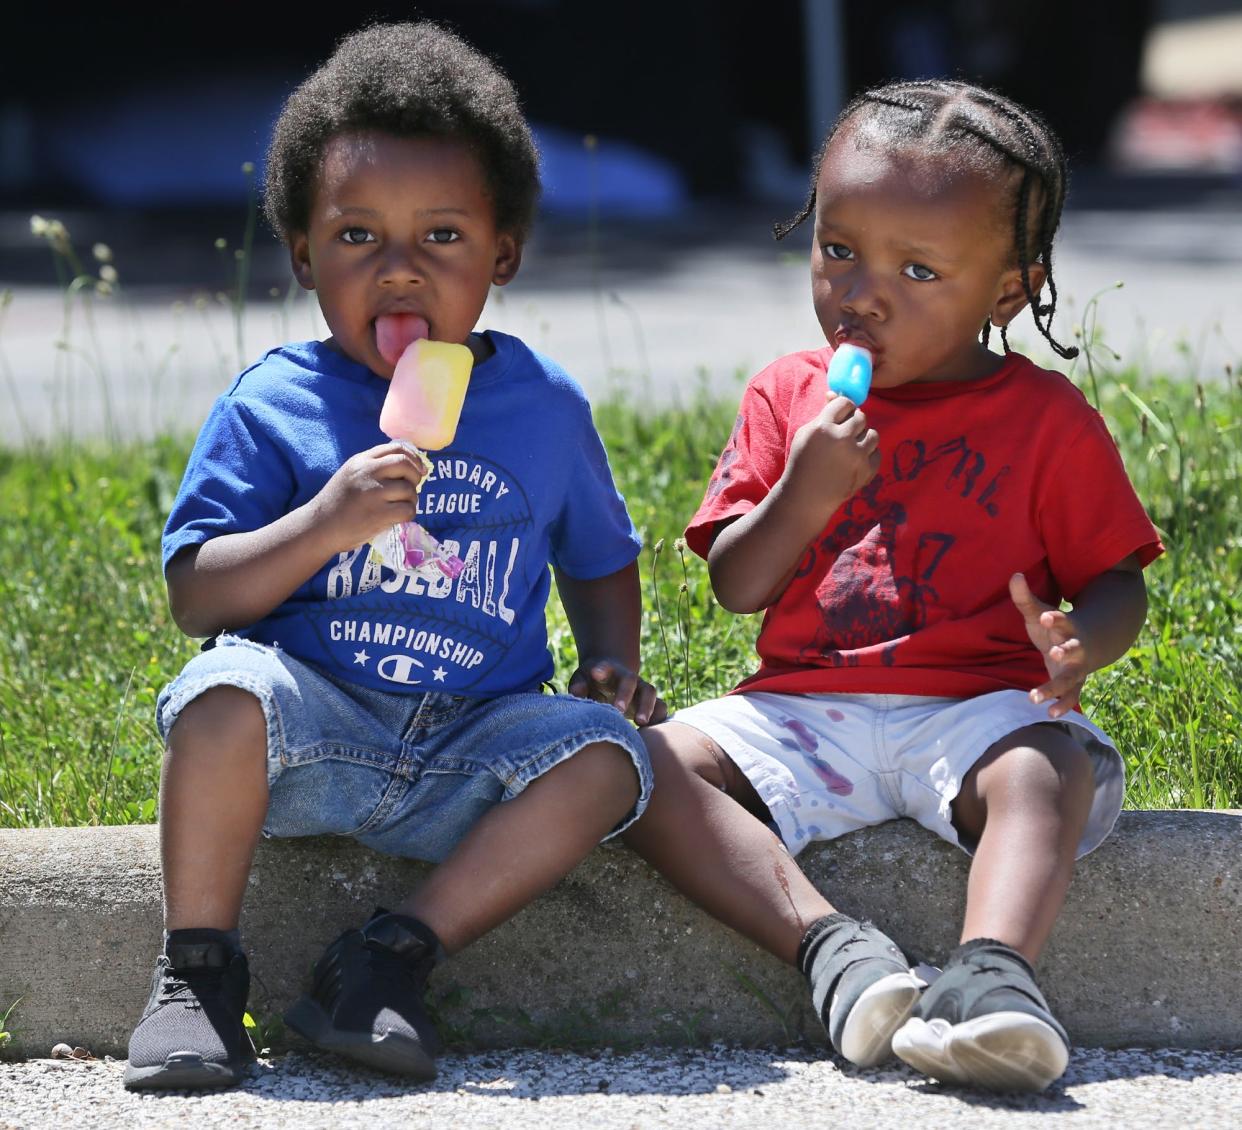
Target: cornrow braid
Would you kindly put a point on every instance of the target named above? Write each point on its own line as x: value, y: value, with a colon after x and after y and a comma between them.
x: 969, y: 123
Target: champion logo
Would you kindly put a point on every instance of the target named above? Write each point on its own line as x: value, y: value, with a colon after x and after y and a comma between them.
x: 399, y: 669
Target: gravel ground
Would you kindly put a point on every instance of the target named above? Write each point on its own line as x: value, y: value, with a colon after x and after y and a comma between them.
x: 716, y: 1087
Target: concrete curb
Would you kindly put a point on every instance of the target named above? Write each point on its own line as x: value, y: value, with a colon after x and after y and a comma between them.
x: 1146, y: 953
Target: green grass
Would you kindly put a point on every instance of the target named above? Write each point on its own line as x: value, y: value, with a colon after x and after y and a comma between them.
x: 87, y: 640
x: 1174, y: 703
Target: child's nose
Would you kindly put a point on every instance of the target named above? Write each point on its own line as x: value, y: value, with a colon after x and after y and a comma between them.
x: 863, y: 295
x: 401, y: 264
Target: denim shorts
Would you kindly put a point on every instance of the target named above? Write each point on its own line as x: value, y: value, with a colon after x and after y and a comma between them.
x: 828, y: 764
x: 407, y: 774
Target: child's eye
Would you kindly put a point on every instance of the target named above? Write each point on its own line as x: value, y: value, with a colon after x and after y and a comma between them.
x: 919, y: 273
x: 837, y: 251
x: 356, y: 235
x: 443, y: 235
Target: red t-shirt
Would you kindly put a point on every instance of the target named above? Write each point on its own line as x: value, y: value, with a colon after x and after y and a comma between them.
x: 906, y: 591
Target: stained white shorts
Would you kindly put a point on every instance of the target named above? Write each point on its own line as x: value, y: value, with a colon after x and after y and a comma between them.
x: 827, y: 764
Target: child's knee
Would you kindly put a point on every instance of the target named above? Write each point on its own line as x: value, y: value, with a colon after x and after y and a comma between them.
x: 676, y: 754
x: 1044, y: 760
x: 221, y: 722
x: 681, y: 746
x: 604, y: 769
x: 678, y: 751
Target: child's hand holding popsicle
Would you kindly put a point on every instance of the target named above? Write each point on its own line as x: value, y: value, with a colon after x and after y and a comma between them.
x: 372, y: 490
x: 837, y: 453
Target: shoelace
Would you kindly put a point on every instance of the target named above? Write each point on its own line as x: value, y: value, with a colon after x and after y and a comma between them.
x: 1009, y: 983
x: 200, y: 983
x: 982, y: 967
x: 858, y: 937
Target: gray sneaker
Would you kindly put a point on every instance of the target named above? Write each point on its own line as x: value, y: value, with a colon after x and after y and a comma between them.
x: 984, y: 1023
x: 191, y: 1034
x: 861, y: 985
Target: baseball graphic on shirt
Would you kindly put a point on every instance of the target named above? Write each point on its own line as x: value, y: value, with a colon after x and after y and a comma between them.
x: 461, y: 627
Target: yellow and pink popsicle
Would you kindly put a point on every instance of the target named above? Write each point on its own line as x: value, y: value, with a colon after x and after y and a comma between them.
x: 425, y: 396
x: 421, y: 409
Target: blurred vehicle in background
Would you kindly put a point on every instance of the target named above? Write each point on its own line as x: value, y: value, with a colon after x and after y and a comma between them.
x: 673, y: 133
x: 641, y: 110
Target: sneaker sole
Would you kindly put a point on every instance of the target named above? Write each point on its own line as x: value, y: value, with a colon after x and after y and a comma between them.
x: 184, y: 1071
x: 1003, y: 1051
x: 867, y: 1038
x: 389, y: 1052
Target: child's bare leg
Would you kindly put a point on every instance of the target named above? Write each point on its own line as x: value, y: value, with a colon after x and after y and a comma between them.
x: 522, y: 847
x: 366, y: 1001
x: 213, y: 798
x: 1026, y: 801
x: 985, y: 1022
x: 702, y: 833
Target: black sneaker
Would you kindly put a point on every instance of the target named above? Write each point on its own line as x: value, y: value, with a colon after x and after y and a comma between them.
x: 366, y: 1000
x: 191, y: 1033
x: 985, y: 1023
x: 861, y: 985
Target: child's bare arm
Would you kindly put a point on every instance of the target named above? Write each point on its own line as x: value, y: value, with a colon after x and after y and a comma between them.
x: 832, y: 457
x: 1107, y: 617
x: 234, y: 580
x: 604, y: 615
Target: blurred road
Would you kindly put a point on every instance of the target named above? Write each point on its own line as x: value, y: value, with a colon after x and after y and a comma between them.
x: 653, y: 310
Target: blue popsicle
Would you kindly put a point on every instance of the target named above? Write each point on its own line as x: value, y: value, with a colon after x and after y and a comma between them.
x: 849, y: 372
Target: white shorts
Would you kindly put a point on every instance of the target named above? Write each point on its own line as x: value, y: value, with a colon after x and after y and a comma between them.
x: 827, y: 764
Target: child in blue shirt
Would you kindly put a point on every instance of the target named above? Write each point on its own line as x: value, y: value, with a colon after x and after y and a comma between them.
x: 340, y: 697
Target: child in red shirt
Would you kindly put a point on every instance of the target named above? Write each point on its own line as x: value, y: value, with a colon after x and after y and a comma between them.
x: 912, y: 560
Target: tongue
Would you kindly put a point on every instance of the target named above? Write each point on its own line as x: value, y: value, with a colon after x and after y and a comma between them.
x: 394, y: 332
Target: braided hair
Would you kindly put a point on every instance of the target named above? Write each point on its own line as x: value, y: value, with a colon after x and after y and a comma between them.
x: 977, y: 129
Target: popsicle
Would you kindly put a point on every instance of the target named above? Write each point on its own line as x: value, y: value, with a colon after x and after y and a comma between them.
x: 849, y: 372
x: 421, y: 410
x: 425, y: 395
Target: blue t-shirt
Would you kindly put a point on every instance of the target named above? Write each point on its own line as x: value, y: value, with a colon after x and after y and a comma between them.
x: 525, y: 482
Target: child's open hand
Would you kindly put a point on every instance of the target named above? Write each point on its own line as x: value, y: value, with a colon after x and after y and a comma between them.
x: 1056, y: 636
x: 836, y: 454
x: 370, y: 491
x: 607, y: 680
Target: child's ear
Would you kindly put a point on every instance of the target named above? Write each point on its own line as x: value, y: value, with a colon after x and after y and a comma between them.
x: 1011, y: 297
x: 299, y: 260
x: 508, y: 259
